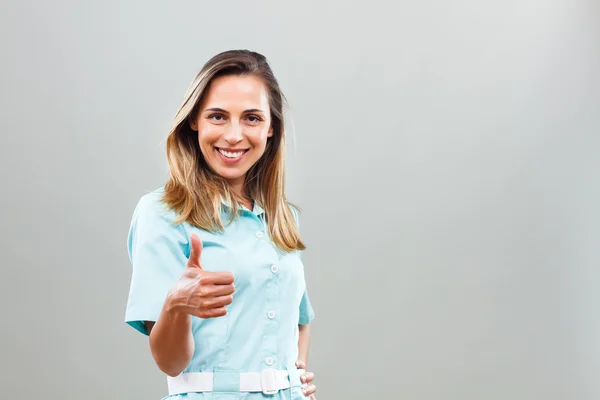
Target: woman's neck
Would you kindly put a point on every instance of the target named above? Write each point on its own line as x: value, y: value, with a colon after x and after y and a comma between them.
x: 238, y: 189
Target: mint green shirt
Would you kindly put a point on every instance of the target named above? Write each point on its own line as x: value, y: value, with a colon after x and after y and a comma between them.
x: 260, y: 329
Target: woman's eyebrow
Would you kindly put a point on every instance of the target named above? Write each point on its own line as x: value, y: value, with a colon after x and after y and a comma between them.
x: 217, y: 109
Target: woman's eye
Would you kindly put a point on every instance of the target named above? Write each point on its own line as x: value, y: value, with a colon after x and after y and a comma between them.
x: 216, y: 117
x: 254, y: 118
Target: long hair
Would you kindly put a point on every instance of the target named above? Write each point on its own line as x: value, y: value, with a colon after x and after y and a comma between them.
x: 196, y: 193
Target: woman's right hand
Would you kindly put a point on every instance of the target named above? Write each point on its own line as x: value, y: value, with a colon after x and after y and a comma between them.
x: 201, y: 293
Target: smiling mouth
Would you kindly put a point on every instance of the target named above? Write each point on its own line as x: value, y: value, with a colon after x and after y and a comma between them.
x: 232, y: 154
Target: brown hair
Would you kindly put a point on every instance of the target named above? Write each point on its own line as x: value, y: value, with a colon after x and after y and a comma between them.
x: 195, y: 193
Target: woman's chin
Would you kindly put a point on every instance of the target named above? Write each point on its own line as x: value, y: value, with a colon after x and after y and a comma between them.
x: 229, y: 175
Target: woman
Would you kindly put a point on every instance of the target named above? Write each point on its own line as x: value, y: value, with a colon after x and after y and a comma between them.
x: 217, y: 283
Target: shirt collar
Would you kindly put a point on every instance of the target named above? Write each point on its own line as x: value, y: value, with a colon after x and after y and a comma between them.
x: 256, y: 209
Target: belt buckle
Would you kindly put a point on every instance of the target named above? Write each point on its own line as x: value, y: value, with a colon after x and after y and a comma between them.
x: 267, y: 381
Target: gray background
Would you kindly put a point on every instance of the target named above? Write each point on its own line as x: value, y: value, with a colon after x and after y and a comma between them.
x: 446, y: 156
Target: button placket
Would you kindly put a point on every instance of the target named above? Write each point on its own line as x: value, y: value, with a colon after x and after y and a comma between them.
x: 271, y: 322
x: 270, y: 355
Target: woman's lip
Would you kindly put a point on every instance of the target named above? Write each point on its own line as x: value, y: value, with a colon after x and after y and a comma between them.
x: 230, y: 150
x: 228, y: 160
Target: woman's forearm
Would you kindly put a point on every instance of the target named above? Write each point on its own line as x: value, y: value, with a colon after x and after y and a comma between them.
x: 171, y: 340
x: 303, y: 342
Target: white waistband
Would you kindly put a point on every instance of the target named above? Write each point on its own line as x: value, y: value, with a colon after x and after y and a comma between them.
x: 268, y: 381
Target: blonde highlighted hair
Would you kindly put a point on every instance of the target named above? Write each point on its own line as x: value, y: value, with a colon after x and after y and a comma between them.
x: 196, y: 193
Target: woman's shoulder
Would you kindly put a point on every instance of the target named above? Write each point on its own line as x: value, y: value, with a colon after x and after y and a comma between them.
x: 154, y: 223
x: 152, y: 206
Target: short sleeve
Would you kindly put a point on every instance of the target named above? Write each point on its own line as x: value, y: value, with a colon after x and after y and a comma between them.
x: 307, y: 314
x: 158, y: 254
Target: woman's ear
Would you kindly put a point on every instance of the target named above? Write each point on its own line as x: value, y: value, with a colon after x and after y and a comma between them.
x: 193, y: 123
x: 270, y: 132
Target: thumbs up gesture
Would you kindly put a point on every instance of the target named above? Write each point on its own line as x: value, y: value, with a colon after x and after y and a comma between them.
x: 201, y: 293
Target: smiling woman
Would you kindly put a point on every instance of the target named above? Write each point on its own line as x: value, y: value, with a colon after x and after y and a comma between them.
x: 233, y: 124
x: 224, y: 304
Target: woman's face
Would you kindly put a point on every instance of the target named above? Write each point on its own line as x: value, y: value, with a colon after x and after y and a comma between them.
x: 233, y: 124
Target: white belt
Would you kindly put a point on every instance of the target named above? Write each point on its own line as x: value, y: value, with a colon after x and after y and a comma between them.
x: 268, y: 381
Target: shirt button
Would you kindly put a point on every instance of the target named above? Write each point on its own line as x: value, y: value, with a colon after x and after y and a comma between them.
x: 269, y: 360
x: 259, y: 234
x: 271, y: 314
x: 274, y: 269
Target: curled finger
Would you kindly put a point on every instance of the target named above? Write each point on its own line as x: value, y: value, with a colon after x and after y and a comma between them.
x: 217, y: 302
x: 309, y: 390
x: 210, y: 312
x: 307, y: 377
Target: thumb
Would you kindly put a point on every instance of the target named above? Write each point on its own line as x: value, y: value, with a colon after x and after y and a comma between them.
x: 194, y: 260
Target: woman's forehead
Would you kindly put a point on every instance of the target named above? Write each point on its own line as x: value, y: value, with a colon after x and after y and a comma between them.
x: 237, y: 93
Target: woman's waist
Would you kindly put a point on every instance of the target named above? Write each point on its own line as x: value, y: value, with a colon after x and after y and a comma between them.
x: 245, y: 344
x: 268, y: 381
x: 247, y: 359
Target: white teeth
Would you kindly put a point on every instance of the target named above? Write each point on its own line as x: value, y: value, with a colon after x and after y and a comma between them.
x: 231, y: 155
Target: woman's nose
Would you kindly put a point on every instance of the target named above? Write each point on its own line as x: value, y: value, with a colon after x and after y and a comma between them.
x: 234, y: 133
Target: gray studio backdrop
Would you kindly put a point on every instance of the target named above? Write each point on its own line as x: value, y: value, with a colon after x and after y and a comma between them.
x: 446, y: 156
